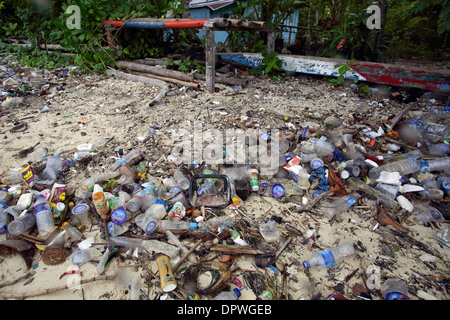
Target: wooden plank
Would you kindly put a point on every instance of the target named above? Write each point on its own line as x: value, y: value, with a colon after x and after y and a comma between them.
x: 210, y: 48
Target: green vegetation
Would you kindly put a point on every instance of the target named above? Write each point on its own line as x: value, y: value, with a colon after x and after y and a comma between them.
x: 409, y: 28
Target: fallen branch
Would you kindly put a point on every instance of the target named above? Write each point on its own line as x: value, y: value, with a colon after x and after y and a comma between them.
x: 11, y: 282
x: 235, y: 250
x: 21, y: 296
x: 153, y: 82
x: 176, y: 81
x: 163, y: 72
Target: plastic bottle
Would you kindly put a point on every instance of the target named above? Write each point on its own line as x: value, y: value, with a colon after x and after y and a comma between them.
x: 149, y: 245
x: 5, y: 196
x: 37, y: 155
x: 141, y: 169
x: 404, y: 167
x: 72, y: 232
x: 51, y: 171
x: 427, y: 214
x: 12, y: 177
x: 175, y: 226
x: 439, y: 164
x: 3, y: 221
x: 228, y: 295
x: 117, y: 229
x: 82, y: 256
x: 439, y: 149
x: 394, y: 289
x: 181, y: 180
x: 233, y: 195
x: 329, y: 257
x: 21, y: 224
x: 322, y: 148
x: 254, y: 179
x: 135, y: 203
x: 440, y: 113
x: 135, y: 288
x: 43, y: 214
x: 126, y: 158
x: 86, y: 184
x: 441, y: 130
x: 99, y: 200
x: 356, y: 184
x: 340, y: 205
x: 102, y: 263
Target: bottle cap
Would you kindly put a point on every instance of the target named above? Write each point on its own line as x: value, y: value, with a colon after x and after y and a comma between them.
x: 237, y: 292
x: 306, y: 265
x: 316, y: 164
x: 193, y: 225
x: 278, y: 190
x: 235, y: 200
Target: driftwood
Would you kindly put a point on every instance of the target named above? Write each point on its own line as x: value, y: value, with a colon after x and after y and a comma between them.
x: 11, y: 282
x: 225, y: 80
x: 176, y: 81
x: 162, y: 72
x: 235, y: 250
x: 21, y: 296
x: 151, y: 81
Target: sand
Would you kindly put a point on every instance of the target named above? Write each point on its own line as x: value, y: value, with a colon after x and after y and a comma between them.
x: 90, y: 108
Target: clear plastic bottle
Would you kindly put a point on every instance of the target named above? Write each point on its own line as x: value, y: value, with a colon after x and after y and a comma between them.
x: 37, y: 155
x: 176, y: 226
x: 82, y: 256
x: 135, y: 203
x: 439, y: 149
x: 329, y: 257
x: 72, y: 232
x: 394, y: 289
x: 340, y: 205
x: 21, y: 224
x: 322, y: 148
x: 441, y: 130
x: 356, y: 184
x: 404, y: 167
x: 51, y: 171
x: 88, y: 183
x: 126, y: 158
x: 228, y: 295
x: 149, y: 245
x: 135, y: 288
x: 439, y: 164
x: 12, y: 177
x: 181, y: 180
x: 117, y: 229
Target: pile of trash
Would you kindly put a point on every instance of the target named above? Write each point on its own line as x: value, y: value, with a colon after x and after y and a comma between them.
x: 120, y: 206
x: 156, y: 209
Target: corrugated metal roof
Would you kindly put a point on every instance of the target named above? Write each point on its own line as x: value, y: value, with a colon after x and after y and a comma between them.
x: 212, y: 4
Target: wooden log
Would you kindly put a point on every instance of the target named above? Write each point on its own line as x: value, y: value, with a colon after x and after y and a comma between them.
x: 132, y: 77
x: 132, y: 66
x: 176, y: 81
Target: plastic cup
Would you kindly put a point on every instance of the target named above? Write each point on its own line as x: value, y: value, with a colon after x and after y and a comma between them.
x: 21, y: 224
x: 81, y: 213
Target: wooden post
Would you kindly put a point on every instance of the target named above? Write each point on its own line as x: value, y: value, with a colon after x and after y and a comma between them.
x: 270, y: 42
x: 210, y: 45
